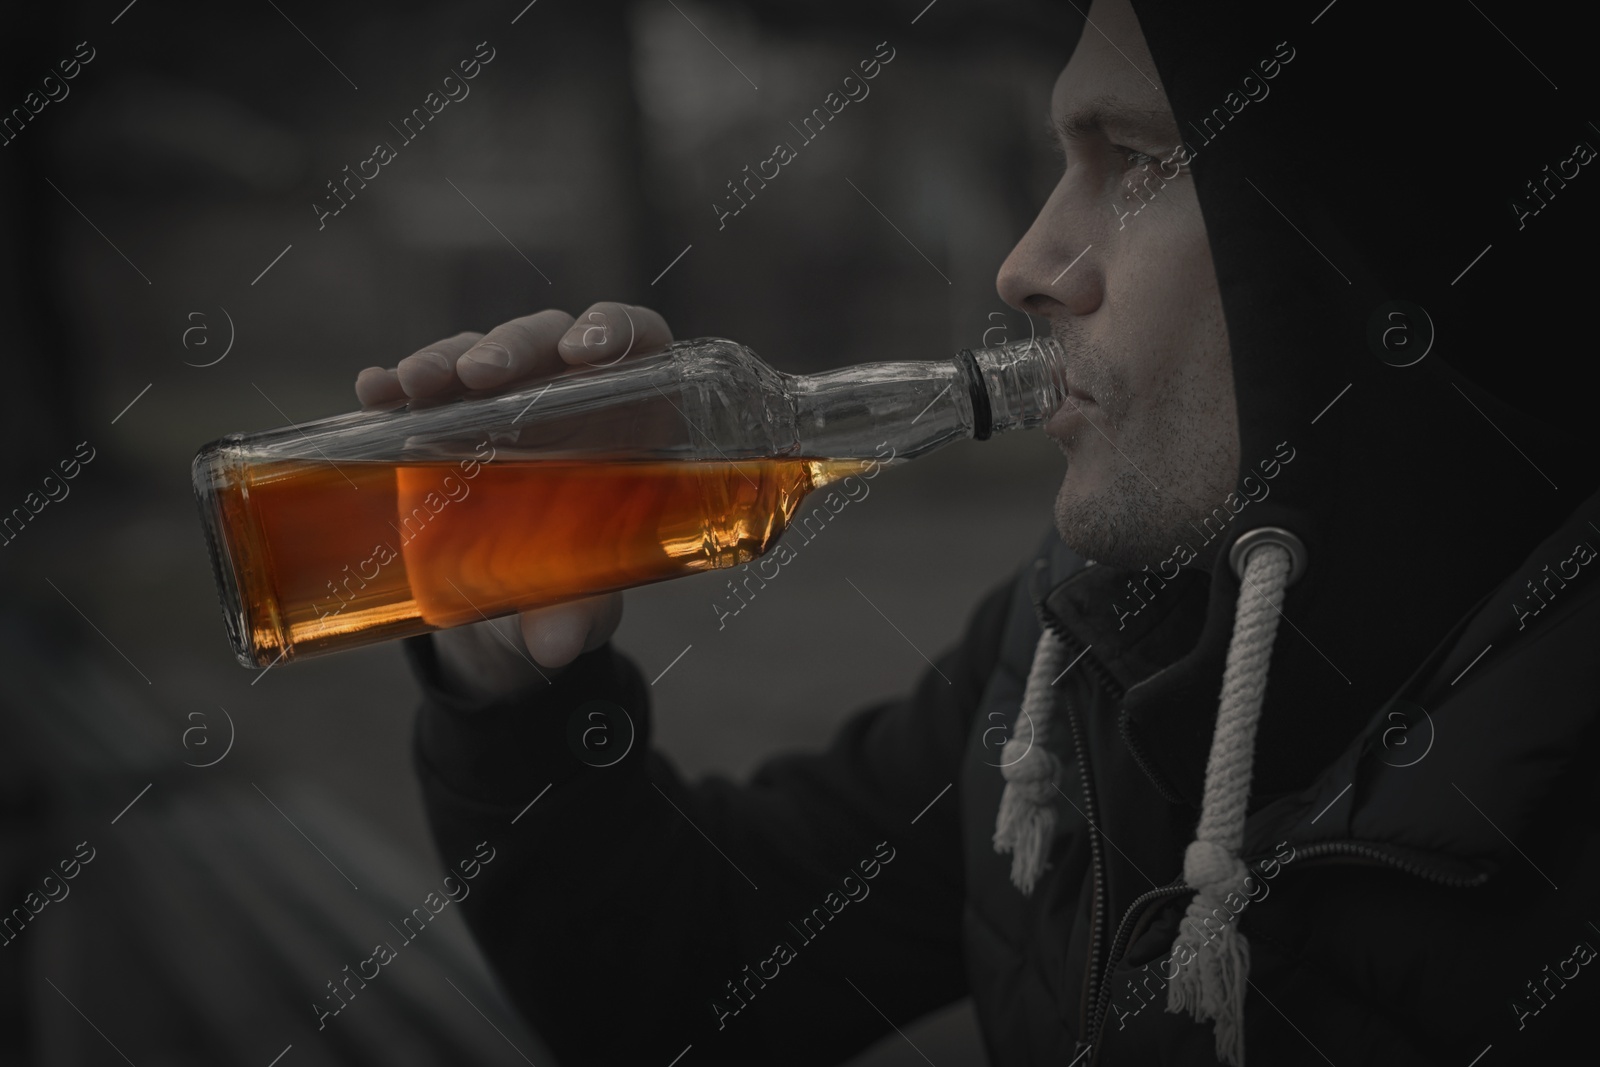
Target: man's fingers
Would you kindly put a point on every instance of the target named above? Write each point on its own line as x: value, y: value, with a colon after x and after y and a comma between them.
x: 610, y: 332
x: 530, y: 347
x: 512, y: 351
x: 557, y: 635
x: 431, y: 371
x: 378, y: 385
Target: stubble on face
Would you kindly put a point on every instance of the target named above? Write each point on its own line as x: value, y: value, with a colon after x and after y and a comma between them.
x: 1168, y: 454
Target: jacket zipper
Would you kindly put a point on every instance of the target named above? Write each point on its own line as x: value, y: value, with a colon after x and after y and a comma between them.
x: 1136, y: 750
x: 1100, y: 676
x: 1093, y: 667
x: 1360, y: 849
x: 1091, y: 968
x: 1118, y: 945
x: 1375, y: 852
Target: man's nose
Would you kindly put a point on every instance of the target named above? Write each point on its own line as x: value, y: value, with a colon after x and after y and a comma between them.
x: 1053, y: 270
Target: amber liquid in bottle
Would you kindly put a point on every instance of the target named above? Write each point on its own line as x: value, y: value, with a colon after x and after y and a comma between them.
x: 331, y: 556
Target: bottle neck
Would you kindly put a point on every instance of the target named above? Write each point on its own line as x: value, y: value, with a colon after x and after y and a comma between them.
x: 916, y: 407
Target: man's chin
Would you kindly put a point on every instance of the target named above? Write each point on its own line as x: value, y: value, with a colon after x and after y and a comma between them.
x: 1113, y: 526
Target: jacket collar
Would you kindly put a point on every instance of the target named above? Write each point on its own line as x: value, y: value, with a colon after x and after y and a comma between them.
x: 1132, y: 623
x: 1160, y: 646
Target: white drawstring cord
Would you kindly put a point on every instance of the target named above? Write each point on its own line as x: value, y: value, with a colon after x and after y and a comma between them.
x: 1214, y: 968
x: 1027, y: 818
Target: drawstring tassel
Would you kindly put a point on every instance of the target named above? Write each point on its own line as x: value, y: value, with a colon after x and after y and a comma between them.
x: 1027, y: 819
x: 1214, y: 961
x: 1211, y: 984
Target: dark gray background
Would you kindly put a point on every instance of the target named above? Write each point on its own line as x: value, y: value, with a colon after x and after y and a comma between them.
x: 187, y: 156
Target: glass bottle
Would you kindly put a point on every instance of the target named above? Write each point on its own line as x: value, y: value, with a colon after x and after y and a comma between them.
x: 421, y: 515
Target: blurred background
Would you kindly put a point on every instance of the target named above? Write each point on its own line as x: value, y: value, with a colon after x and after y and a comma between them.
x: 164, y: 281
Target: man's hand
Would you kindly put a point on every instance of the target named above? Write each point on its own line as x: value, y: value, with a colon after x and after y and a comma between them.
x: 488, y: 658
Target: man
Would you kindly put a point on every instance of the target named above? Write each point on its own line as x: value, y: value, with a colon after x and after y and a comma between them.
x: 1376, y: 847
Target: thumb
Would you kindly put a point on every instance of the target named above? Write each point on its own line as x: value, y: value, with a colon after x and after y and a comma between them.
x: 559, y: 634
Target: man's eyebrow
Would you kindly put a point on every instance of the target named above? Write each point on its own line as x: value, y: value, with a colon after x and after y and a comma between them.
x: 1106, y: 115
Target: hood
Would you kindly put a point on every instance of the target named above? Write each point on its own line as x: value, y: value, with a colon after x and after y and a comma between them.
x: 1415, y: 488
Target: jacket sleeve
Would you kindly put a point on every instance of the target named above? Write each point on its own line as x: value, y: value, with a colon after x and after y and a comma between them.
x: 632, y: 914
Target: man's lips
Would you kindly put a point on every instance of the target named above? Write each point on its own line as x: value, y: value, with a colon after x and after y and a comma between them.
x: 1059, y: 425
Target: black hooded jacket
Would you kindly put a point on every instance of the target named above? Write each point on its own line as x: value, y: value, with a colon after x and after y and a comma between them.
x: 1423, y: 812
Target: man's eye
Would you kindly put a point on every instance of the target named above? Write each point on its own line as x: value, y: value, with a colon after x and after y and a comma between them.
x: 1133, y: 156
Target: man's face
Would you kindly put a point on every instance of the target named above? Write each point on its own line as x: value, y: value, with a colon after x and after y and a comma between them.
x: 1119, y: 263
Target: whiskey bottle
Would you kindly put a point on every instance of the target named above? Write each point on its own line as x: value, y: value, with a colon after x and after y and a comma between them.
x: 422, y: 515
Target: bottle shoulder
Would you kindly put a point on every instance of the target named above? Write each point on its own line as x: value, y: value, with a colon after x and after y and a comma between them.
x: 717, y: 358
